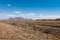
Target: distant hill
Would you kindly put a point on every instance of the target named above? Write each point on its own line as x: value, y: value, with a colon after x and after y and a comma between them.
x: 58, y: 19
x: 18, y: 18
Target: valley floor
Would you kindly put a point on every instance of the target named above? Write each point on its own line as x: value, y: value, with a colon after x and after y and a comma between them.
x: 10, y: 32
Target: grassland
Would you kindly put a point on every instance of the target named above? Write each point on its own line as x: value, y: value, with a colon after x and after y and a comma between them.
x: 32, y: 29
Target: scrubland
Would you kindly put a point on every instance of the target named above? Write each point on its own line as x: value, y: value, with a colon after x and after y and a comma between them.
x: 30, y: 29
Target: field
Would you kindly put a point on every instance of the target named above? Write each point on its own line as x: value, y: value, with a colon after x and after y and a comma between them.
x: 30, y: 30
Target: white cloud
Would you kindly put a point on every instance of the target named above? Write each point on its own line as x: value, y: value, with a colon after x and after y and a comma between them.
x: 32, y: 14
x: 9, y: 5
x: 17, y: 12
x: 29, y: 16
x: 48, y: 17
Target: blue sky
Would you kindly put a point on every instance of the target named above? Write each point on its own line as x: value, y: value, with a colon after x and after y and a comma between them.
x: 32, y: 9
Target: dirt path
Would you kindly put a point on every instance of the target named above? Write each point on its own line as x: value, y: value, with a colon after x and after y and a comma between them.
x: 10, y: 31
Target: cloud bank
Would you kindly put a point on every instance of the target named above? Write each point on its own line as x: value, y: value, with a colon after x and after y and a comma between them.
x: 29, y: 16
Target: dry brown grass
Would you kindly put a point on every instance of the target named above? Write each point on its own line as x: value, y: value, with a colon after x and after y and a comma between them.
x: 34, y: 30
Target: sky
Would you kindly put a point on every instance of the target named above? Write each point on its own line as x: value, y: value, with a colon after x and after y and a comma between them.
x: 31, y: 9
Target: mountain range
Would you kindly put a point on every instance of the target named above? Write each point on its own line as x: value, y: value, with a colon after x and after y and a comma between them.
x: 19, y: 18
